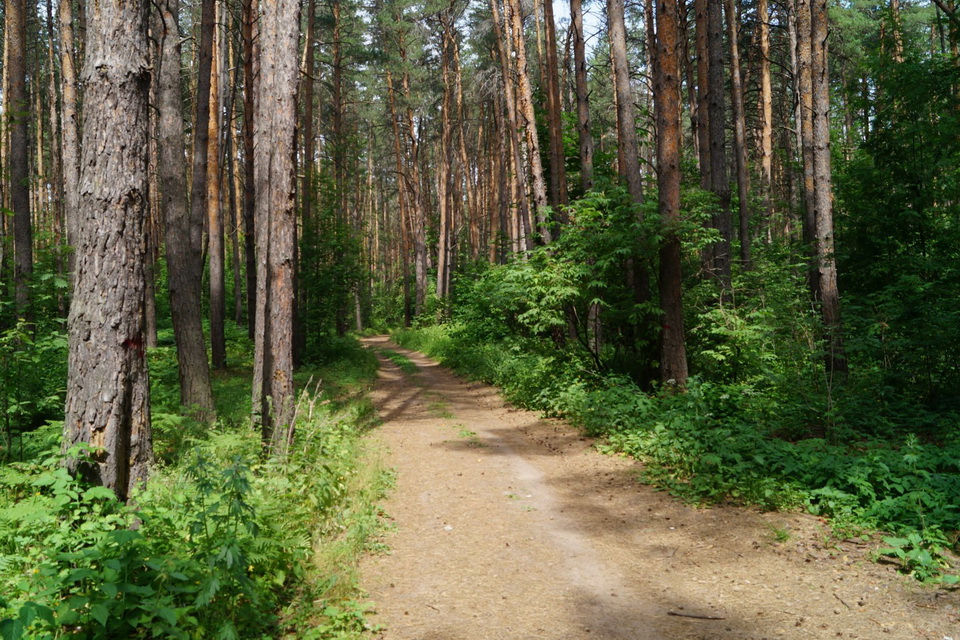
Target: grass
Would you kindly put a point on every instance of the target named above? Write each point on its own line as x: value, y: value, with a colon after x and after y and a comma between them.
x: 406, y: 365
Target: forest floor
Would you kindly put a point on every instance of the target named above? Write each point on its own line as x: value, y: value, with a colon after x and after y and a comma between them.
x: 508, y: 525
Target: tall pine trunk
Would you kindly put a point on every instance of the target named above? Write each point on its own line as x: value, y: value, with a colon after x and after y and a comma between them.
x: 584, y: 136
x: 17, y: 106
x: 108, y: 389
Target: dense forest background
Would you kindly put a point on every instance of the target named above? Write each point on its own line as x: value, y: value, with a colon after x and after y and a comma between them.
x: 723, y: 234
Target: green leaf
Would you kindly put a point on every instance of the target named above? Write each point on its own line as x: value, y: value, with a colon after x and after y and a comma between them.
x: 100, y: 613
x: 11, y: 629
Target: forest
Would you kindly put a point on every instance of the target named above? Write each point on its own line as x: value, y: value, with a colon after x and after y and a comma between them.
x: 720, y: 236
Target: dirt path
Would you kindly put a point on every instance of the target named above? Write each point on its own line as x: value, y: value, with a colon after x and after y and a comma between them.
x: 512, y: 526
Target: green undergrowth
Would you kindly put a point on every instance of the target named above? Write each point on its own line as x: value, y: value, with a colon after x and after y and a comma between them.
x: 726, y: 442
x: 402, y: 361
x: 222, y: 543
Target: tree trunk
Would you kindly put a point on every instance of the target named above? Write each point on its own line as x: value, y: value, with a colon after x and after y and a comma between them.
x: 218, y: 302
x: 402, y: 203
x: 701, y: 9
x: 70, y: 129
x: 249, y: 179
x: 673, y: 353
x: 629, y: 168
x: 522, y: 212
x: 719, y: 182
x: 802, y: 17
x: 836, y: 361
x: 766, y: 109
x: 184, y: 231
x: 558, y: 173
x: 526, y: 112
x: 739, y: 131
x: 583, y: 91
x: 276, y: 117
x: 18, y: 109
x: 108, y: 389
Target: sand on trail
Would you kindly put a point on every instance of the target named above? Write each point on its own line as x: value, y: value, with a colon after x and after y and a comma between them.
x: 506, y: 525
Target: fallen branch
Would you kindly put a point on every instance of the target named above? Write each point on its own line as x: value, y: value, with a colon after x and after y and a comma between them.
x: 681, y: 614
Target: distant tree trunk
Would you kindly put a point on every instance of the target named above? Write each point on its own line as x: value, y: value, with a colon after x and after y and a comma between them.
x: 56, y: 159
x: 739, y: 131
x: 836, y: 360
x: 558, y: 172
x: 626, y: 120
x: 249, y: 180
x: 445, y: 164
x: 402, y: 202
x: 108, y: 389
x: 673, y: 352
x: 802, y: 20
x: 583, y: 105
x: 701, y: 8
x: 184, y: 231
x: 218, y: 302
x: 719, y: 181
x: 273, y: 392
x: 18, y: 108
x: 766, y: 109
x: 522, y: 212
x: 526, y: 112
x: 689, y: 68
x: 70, y: 128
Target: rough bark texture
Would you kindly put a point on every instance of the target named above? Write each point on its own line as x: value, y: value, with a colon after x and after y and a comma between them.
x: 18, y: 109
x: 719, y: 180
x: 584, y: 135
x: 673, y: 353
x: 703, y: 90
x: 107, y: 388
x: 276, y: 113
x: 526, y: 112
x: 215, y: 250
x: 766, y: 109
x: 558, y: 174
x: 805, y: 87
x: 629, y: 168
x: 249, y: 188
x: 184, y: 233
x: 70, y: 124
x: 739, y: 131
x: 836, y: 361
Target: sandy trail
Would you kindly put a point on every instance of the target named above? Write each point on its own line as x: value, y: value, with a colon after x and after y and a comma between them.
x: 512, y: 526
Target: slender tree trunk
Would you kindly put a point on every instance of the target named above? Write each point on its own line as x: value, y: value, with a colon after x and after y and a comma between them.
x: 276, y: 117
x: 249, y: 179
x: 70, y: 128
x: 673, y: 353
x: 218, y: 303
x: 766, y: 109
x: 802, y: 17
x: 108, y: 389
x: 184, y: 231
x: 18, y: 108
x: 526, y: 112
x: 558, y: 172
x: 719, y: 181
x: 701, y: 8
x: 402, y: 202
x: 739, y: 131
x: 823, y: 192
x: 513, y: 125
x: 583, y: 105
x: 626, y: 120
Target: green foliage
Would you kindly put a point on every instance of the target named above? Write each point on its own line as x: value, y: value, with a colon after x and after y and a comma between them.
x: 402, y: 361
x: 220, y: 544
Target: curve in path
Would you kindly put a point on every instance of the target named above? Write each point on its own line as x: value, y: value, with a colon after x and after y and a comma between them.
x: 508, y: 525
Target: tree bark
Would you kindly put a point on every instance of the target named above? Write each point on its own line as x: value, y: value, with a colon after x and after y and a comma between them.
x: 701, y: 9
x: 215, y: 250
x: 183, y: 231
x: 766, y: 109
x: 70, y: 126
x: 558, y: 172
x: 719, y: 181
x: 17, y: 102
x: 526, y: 112
x: 739, y: 131
x: 673, y: 354
x: 585, y: 137
x: 804, y: 57
x: 836, y: 361
x: 629, y: 168
x: 276, y: 116
x: 249, y: 179
x: 108, y: 389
